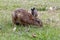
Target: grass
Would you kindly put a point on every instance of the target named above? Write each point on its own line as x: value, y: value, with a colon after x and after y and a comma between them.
x: 50, y: 30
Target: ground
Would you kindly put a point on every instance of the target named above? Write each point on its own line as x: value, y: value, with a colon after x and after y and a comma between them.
x: 51, y: 20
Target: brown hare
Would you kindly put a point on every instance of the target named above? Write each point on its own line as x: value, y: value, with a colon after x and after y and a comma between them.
x: 22, y: 16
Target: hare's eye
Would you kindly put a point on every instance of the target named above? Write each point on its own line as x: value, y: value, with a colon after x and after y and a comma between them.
x: 38, y: 21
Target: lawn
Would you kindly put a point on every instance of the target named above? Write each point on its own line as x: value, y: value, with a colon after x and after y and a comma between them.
x: 51, y: 20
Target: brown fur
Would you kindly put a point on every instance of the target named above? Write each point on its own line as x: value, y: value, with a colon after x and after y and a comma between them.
x: 21, y: 16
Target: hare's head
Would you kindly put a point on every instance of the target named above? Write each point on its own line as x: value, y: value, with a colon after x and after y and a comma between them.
x: 38, y: 22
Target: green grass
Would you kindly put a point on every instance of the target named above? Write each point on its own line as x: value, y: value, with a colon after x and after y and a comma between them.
x: 50, y: 30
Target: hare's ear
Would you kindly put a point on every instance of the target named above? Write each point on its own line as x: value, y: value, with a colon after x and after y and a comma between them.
x: 34, y: 8
x: 31, y: 9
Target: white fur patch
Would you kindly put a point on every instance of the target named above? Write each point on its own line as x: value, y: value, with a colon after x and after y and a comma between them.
x: 20, y: 15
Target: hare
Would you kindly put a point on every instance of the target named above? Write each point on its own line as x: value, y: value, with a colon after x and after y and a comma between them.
x: 22, y: 16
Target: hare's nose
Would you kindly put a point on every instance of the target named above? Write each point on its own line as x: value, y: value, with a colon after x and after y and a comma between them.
x: 17, y: 23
